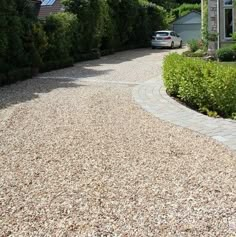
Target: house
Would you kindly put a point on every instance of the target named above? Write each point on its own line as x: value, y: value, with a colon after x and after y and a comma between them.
x: 49, y: 7
x: 221, y: 20
x: 36, y: 6
x: 188, y: 26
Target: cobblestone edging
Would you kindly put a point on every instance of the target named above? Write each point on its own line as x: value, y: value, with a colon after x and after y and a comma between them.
x: 152, y: 97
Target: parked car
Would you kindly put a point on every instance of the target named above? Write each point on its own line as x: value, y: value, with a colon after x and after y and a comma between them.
x: 170, y: 39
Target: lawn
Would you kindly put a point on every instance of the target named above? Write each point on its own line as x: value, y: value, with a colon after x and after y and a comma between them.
x: 232, y: 64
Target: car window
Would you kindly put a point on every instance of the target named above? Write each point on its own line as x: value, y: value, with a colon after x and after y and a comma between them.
x: 162, y: 33
x: 172, y: 34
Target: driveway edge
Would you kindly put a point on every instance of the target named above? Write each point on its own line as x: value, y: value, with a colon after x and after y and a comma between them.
x: 152, y: 97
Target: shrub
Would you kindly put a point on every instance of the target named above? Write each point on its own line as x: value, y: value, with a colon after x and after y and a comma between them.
x: 95, y: 54
x: 59, y: 30
x: 195, y: 45
x: 19, y: 74
x: 199, y: 53
x: 234, y: 36
x: 3, y: 79
x: 56, y: 64
x: 206, y: 86
x: 185, y: 8
x: 226, y: 54
x: 212, y: 36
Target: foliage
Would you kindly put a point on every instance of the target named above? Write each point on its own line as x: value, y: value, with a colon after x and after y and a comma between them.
x: 114, y: 25
x: 226, y: 54
x: 59, y: 32
x: 206, y: 86
x: 17, y: 48
x: 195, y: 45
x: 186, y: 8
x: 91, y: 18
x: 86, y: 30
x: 205, y: 24
x: 234, y: 36
x: 199, y: 53
x: 56, y: 64
x: 212, y: 36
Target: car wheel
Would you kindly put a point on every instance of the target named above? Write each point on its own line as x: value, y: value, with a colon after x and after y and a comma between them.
x: 172, y: 45
x: 181, y: 44
x: 153, y: 47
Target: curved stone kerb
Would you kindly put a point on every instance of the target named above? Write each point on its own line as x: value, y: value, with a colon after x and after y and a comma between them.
x: 152, y: 97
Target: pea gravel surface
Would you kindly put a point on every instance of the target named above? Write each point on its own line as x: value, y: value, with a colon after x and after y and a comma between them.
x: 78, y: 157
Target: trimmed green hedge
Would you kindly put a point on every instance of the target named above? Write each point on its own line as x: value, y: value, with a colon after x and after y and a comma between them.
x: 206, y: 86
x: 56, y: 64
x: 15, y: 75
x: 226, y: 54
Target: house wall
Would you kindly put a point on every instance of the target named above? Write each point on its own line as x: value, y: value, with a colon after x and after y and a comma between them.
x: 225, y: 42
x: 212, y: 20
x: 212, y: 16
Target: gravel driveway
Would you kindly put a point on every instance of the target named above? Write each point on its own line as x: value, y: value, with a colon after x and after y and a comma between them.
x: 78, y: 157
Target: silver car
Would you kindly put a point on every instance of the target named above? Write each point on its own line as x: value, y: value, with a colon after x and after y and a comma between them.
x: 170, y: 39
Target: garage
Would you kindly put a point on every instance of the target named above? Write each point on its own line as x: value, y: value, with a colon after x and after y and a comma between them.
x: 188, y: 26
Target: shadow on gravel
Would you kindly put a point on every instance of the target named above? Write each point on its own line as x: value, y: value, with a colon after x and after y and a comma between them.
x: 125, y: 56
x: 85, y: 70
x: 44, y: 83
x: 30, y: 90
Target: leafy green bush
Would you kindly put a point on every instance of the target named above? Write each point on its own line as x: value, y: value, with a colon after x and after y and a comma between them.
x: 56, y: 64
x: 195, y: 45
x: 212, y: 36
x: 115, y: 25
x: 186, y: 8
x: 206, y: 86
x: 84, y: 31
x: 199, y: 53
x: 3, y: 79
x: 226, y: 54
x: 95, y: 54
x: 234, y: 36
x: 19, y: 74
x: 59, y: 30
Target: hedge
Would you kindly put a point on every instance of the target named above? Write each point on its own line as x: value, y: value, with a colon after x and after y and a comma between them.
x: 86, y: 30
x: 15, y: 75
x: 56, y: 64
x: 226, y: 54
x: 206, y: 86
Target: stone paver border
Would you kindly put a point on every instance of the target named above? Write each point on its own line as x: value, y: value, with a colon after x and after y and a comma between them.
x: 152, y: 97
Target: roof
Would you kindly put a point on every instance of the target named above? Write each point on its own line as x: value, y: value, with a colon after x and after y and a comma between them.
x: 193, y: 17
x: 49, y: 7
x: 36, y: 6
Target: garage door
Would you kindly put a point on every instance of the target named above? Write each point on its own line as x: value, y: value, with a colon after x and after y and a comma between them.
x: 188, y: 31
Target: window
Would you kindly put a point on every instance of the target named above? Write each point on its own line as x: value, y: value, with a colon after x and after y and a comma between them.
x: 228, y: 2
x: 228, y: 19
x: 48, y: 2
x: 228, y: 23
x: 159, y: 33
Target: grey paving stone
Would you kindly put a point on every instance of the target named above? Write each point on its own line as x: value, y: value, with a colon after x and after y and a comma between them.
x: 152, y: 96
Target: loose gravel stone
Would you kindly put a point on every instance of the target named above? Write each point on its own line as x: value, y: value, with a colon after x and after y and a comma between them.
x: 78, y: 157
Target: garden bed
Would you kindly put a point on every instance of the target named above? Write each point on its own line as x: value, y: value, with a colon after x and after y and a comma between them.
x: 205, y: 86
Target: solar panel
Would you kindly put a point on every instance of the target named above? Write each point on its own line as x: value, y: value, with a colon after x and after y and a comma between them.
x: 48, y: 2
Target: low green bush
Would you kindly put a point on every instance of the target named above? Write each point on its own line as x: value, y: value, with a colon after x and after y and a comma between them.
x: 95, y: 54
x: 199, y: 53
x: 206, y: 86
x: 226, y: 54
x: 18, y: 75
x: 54, y: 64
x: 195, y: 45
x: 3, y: 79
